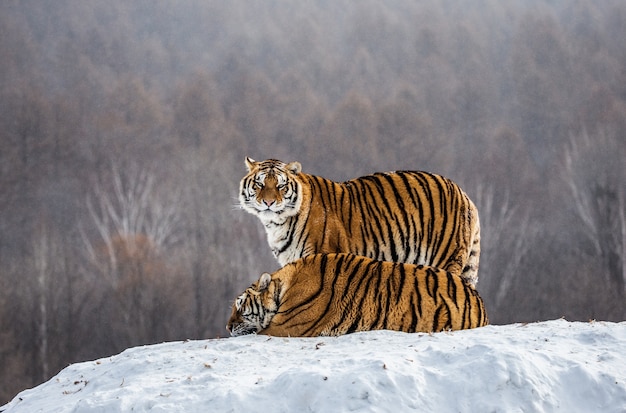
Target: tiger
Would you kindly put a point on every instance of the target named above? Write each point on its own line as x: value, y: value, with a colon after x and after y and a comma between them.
x: 336, y: 294
x: 411, y: 217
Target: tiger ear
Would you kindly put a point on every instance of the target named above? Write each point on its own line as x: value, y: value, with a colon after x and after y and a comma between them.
x: 294, y: 167
x: 264, y: 281
x: 250, y: 163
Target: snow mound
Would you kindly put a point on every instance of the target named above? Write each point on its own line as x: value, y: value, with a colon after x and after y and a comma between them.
x: 546, y: 366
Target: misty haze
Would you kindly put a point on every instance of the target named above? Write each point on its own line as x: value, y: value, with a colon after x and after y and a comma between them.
x: 124, y: 126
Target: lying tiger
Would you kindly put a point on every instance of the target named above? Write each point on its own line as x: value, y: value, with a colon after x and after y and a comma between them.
x: 335, y: 294
x: 410, y: 217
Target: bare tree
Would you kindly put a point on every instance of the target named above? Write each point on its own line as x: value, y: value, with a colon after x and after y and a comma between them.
x: 133, y: 208
x: 135, y: 225
x: 595, y: 175
x: 506, y: 236
x: 42, y: 263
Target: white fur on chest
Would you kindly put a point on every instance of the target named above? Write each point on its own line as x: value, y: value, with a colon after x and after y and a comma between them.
x: 282, y: 242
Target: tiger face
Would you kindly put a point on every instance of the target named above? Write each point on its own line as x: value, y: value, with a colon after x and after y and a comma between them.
x: 271, y: 190
x: 254, y: 309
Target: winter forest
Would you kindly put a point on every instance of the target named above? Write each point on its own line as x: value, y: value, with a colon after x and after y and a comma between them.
x: 124, y: 127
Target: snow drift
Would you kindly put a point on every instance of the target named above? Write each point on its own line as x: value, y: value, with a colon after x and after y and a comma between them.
x: 546, y: 366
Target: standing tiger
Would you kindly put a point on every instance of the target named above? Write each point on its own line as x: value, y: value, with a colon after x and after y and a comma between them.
x: 335, y: 294
x: 409, y: 217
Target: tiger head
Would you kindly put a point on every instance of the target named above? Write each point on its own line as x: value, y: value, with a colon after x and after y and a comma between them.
x: 271, y: 190
x: 254, y: 309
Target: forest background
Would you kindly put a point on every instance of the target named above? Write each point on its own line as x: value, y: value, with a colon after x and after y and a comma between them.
x: 124, y: 126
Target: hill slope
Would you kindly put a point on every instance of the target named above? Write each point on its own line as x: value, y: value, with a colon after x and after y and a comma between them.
x: 546, y: 366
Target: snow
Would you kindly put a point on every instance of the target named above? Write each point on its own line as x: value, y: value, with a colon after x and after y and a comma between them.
x: 547, y: 366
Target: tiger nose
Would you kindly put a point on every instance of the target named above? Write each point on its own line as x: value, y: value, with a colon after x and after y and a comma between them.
x: 268, y: 203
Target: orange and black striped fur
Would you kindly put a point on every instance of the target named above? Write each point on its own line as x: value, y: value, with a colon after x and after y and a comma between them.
x: 410, y: 217
x: 335, y: 294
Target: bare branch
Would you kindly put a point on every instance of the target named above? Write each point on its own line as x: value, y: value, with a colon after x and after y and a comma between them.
x: 595, y: 175
x: 131, y: 208
x: 101, y: 221
x: 507, y: 237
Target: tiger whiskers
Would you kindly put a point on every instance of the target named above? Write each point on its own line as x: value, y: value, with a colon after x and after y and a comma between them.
x: 243, y: 330
x: 236, y: 205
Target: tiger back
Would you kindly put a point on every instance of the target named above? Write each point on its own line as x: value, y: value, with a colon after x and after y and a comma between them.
x: 407, y: 216
x: 336, y: 294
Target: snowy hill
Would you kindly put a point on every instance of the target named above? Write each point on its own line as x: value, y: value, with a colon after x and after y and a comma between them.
x: 548, y: 366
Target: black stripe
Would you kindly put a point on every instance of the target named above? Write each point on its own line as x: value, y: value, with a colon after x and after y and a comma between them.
x: 290, y: 234
x: 353, y: 211
x: 431, y: 278
x: 321, y: 185
x: 437, y: 238
x: 385, y: 216
x: 301, y: 306
x: 371, y: 206
x: 467, y: 309
x: 453, y: 214
x: 417, y: 291
x: 474, y: 310
x: 402, y: 274
x: 412, y: 236
x: 452, y: 288
x: 435, y: 321
x: 339, y: 206
x: 350, y: 287
x: 362, y: 231
x: 401, y: 211
x: 413, y: 313
x: 439, y: 316
x: 367, y: 275
x: 331, y: 289
x: 355, y: 308
x: 378, y: 293
x: 372, y: 225
x: 423, y: 199
x: 390, y: 290
x: 483, y: 319
x: 430, y: 236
